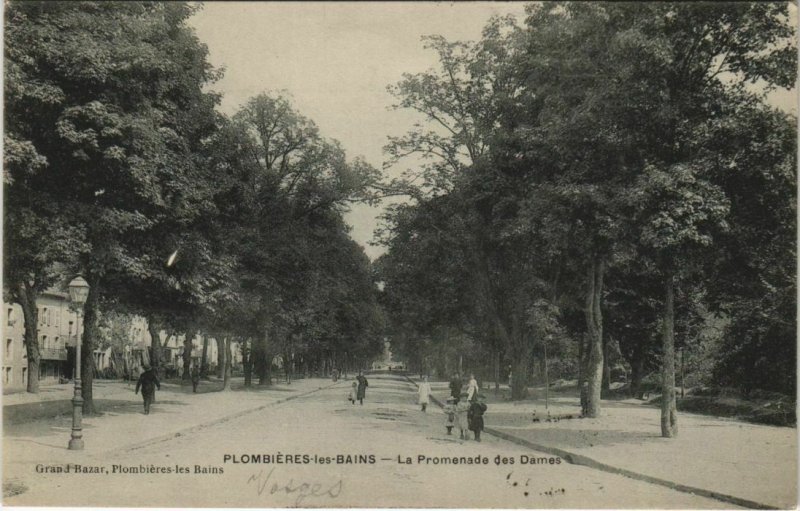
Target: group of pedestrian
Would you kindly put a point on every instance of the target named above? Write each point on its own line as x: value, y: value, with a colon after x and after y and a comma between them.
x: 463, y: 411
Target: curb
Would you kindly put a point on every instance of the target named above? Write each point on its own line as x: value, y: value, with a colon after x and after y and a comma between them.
x: 579, y: 459
x: 198, y: 427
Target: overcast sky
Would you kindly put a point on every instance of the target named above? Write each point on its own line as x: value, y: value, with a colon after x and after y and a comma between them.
x: 335, y: 60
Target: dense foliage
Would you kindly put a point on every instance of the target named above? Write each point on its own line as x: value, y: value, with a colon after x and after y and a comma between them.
x: 118, y: 167
x: 608, y: 173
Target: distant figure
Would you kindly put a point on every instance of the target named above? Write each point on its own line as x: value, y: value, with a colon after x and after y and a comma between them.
x: 353, y: 393
x: 424, y: 393
x: 475, y: 416
x: 455, y: 387
x: 472, y: 388
x: 195, y: 379
x: 450, y: 415
x: 148, y: 381
x: 362, y: 387
x: 335, y: 375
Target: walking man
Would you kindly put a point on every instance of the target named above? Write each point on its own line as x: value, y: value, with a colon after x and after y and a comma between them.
x: 148, y: 381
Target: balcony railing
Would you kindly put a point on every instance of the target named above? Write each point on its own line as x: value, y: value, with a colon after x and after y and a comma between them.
x: 53, y: 353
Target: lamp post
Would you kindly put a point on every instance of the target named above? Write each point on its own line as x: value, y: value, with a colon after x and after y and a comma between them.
x: 78, y: 292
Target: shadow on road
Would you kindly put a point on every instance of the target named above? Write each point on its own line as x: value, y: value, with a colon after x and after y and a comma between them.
x: 30, y: 413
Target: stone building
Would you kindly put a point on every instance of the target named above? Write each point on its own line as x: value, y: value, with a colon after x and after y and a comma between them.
x: 57, y: 332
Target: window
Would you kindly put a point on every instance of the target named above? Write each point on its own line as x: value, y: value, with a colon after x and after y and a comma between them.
x: 7, y: 375
x: 9, y: 349
x: 55, y: 342
x: 10, y: 319
x: 57, y: 318
x: 44, y: 342
x: 46, y: 320
x: 25, y: 375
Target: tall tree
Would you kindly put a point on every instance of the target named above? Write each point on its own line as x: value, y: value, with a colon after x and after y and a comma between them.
x: 121, y: 129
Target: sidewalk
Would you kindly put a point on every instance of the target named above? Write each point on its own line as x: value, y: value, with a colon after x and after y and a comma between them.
x: 122, y: 426
x: 55, y: 399
x: 746, y: 461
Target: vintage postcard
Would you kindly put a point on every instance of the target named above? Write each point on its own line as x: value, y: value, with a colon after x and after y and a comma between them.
x: 400, y: 255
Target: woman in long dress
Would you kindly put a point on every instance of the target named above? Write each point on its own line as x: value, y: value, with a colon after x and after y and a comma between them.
x: 362, y: 387
x: 424, y: 393
x: 472, y: 388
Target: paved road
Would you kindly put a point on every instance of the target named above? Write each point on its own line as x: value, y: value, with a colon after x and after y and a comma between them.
x: 338, y: 455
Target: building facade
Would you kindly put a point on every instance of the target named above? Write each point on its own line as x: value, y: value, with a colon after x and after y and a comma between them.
x: 56, y: 331
x: 57, y: 335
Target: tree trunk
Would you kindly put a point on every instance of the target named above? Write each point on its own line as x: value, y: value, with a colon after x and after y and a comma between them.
x: 496, y: 372
x: 266, y: 377
x: 188, y: 344
x: 157, y: 358
x: 594, y: 329
x: 606, y: 384
x: 226, y: 379
x: 582, y: 373
x: 204, y: 358
x: 257, y: 358
x: 521, y: 352
x: 637, y: 371
x: 220, y: 357
x: 91, y: 332
x: 247, y: 363
x: 264, y: 361
x: 669, y: 414
x: 519, y: 378
x: 30, y: 314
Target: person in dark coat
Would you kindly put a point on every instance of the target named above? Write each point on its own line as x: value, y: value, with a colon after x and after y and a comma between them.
x: 455, y: 387
x: 195, y: 379
x: 362, y: 387
x: 148, y: 381
x: 475, y: 416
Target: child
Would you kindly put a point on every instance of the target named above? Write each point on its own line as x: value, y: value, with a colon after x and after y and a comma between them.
x: 450, y: 415
x: 462, y: 406
x: 475, y: 416
x: 353, y: 393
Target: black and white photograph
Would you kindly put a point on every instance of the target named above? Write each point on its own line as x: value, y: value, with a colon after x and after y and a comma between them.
x: 400, y: 255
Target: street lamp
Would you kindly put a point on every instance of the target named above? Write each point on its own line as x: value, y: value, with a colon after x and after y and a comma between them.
x: 78, y: 292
